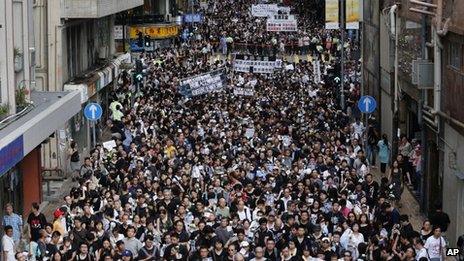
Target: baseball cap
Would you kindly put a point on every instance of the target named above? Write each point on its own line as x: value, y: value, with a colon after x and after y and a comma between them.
x: 58, y: 212
x: 127, y: 253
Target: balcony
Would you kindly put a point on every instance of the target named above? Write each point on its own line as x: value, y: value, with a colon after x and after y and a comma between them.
x: 95, y: 8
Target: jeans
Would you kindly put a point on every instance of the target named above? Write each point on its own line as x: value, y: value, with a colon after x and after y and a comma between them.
x: 371, y: 154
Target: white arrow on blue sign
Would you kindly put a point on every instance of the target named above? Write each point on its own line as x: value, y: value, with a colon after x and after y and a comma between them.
x: 93, y: 111
x: 367, y: 104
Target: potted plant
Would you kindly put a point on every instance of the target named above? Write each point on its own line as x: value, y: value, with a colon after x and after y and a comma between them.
x: 20, y: 98
x: 18, y: 60
x: 3, y: 111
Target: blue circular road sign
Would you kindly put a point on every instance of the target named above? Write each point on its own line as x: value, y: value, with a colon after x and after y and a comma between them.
x: 367, y: 104
x: 93, y: 111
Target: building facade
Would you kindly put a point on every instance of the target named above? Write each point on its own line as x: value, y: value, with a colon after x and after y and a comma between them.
x: 396, y: 38
x: 27, y: 116
x: 76, y: 51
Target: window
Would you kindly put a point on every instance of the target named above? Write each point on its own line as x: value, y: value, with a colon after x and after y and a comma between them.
x: 455, y: 52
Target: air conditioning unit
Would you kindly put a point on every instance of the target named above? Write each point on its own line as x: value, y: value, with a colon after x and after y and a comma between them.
x: 422, y: 74
x: 103, y: 52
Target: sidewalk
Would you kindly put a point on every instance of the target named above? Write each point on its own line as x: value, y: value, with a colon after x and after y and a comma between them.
x: 55, y: 200
x: 409, y: 205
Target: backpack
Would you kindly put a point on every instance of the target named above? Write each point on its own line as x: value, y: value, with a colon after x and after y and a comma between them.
x: 75, y: 156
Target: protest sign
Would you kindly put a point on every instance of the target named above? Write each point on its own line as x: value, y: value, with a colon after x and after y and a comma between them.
x: 203, y: 83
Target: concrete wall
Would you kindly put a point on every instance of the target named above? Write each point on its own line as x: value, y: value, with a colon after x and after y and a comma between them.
x: 40, y: 29
x: 95, y: 8
x: 15, y: 33
x: 453, y: 196
x: 7, y: 75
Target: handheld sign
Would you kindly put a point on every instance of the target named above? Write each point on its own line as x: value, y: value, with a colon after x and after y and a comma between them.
x: 93, y: 111
x: 367, y: 104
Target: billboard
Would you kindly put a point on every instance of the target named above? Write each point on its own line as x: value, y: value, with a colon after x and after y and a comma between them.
x: 352, y: 14
x: 331, y: 14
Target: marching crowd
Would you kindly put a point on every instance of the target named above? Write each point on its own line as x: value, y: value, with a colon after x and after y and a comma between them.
x: 280, y: 175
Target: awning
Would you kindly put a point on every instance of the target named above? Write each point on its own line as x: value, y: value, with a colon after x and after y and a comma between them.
x: 50, y: 112
x: 98, y: 79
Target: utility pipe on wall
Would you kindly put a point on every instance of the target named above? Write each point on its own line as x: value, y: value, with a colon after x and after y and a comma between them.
x: 394, y: 30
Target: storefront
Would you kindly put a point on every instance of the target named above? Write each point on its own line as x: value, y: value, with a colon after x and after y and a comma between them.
x: 95, y: 87
x: 20, y: 142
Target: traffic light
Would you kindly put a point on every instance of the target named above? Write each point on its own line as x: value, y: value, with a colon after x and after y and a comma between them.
x: 138, y: 76
x: 147, y: 41
x: 140, y: 39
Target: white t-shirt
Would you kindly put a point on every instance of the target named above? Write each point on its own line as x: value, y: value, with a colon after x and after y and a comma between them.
x: 421, y: 253
x: 434, y: 246
x: 8, y: 246
x: 358, y: 129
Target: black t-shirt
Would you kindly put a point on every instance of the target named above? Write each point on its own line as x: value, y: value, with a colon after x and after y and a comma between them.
x: 51, y: 250
x: 145, y: 253
x: 36, y: 223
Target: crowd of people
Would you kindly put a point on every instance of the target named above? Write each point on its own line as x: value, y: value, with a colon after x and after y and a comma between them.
x: 282, y: 175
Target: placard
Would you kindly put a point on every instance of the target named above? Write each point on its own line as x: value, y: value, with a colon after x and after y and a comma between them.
x: 244, y: 91
x: 109, y: 145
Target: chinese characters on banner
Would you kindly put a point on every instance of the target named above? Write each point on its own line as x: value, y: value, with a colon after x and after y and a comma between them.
x: 154, y: 31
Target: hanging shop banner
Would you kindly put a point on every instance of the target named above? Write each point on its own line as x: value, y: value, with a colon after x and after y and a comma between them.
x: 154, y: 31
x: 331, y: 14
x: 264, y: 10
x: 11, y: 154
x: 281, y: 25
x: 244, y: 91
x: 352, y: 14
x: 256, y: 64
x: 204, y: 83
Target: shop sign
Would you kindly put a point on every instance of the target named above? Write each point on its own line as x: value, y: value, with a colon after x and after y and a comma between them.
x: 154, y: 31
x: 11, y: 154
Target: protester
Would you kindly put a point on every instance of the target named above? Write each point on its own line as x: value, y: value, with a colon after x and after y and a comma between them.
x: 8, y: 244
x: 14, y: 220
x: 280, y: 174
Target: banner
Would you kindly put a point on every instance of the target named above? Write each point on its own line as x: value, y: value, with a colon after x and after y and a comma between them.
x: 154, y: 31
x: 203, y: 83
x: 264, y: 10
x: 352, y: 14
x: 281, y: 25
x: 258, y: 64
x: 331, y: 14
x: 244, y: 91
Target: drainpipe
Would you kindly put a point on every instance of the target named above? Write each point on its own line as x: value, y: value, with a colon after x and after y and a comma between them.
x: 437, y: 58
x: 394, y: 31
x: 395, y: 123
